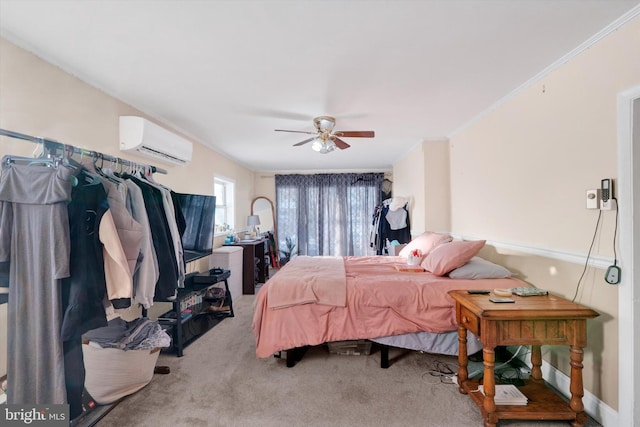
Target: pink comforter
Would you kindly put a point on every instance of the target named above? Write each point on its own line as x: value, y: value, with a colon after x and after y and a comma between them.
x: 318, y: 280
x: 380, y: 301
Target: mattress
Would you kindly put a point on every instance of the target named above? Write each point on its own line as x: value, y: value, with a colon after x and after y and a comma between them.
x: 380, y: 302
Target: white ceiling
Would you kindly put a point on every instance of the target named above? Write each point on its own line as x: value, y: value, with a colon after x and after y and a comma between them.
x: 228, y: 73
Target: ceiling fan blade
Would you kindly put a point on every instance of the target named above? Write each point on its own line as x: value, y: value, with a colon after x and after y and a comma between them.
x: 340, y: 143
x: 356, y: 134
x: 304, y: 142
x: 296, y: 131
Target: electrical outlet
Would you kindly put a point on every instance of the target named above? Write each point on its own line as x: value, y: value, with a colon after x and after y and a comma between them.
x: 593, y: 199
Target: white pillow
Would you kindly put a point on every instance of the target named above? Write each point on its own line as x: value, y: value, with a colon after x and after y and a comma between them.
x: 479, y: 268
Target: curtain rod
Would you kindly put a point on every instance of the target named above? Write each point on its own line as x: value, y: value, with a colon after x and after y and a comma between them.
x: 57, y: 145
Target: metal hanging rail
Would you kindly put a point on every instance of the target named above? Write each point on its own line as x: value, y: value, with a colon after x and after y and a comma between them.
x: 53, y: 146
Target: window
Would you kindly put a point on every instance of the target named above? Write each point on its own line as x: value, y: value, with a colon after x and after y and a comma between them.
x: 223, y: 189
x: 327, y: 214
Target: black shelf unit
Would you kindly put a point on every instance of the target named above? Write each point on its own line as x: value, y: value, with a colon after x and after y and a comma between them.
x: 194, y: 306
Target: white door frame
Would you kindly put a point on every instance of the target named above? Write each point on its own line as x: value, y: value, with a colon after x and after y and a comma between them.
x: 628, y: 292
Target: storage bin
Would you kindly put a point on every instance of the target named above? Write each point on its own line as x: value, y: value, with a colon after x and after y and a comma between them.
x: 112, y: 373
x: 230, y: 258
x: 350, y: 348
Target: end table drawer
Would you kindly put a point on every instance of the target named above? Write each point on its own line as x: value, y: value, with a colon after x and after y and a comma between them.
x: 470, y: 321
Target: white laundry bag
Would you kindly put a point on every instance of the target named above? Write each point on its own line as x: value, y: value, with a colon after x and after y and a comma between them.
x: 112, y: 373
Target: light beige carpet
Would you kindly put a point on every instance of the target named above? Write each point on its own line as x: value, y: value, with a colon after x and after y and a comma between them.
x: 220, y: 382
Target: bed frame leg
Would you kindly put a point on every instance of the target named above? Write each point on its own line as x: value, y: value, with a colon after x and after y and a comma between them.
x: 291, y: 358
x: 384, y: 357
x: 295, y: 355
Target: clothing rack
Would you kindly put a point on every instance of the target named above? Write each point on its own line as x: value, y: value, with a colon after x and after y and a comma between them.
x: 52, y: 146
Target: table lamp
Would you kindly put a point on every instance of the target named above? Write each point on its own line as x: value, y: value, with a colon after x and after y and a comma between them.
x: 253, y: 221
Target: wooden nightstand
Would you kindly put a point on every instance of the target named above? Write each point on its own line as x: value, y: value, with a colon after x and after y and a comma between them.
x: 534, y: 321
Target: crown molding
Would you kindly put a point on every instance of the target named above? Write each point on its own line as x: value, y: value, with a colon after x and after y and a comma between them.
x: 630, y: 15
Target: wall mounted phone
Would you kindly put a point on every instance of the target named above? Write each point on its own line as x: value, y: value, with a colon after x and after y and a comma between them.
x: 605, y: 189
x: 607, y: 199
x: 607, y: 203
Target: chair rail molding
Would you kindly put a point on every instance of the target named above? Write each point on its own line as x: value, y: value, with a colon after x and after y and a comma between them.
x: 596, y: 261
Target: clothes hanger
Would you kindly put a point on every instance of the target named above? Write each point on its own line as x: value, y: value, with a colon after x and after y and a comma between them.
x: 102, y: 173
x: 109, y: 174
x: 148, y: 174
x: 30, y: 161
x: 68, y: 162
x: 88, y: 169
x: 52, y: 161
x: 127, y: 168
x: 33, y: 160
x: 119, y: 174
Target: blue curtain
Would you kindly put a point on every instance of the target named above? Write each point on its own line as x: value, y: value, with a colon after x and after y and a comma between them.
x: 327, y: 214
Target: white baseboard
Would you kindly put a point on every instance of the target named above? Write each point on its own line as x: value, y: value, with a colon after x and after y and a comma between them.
x: 596, y: 408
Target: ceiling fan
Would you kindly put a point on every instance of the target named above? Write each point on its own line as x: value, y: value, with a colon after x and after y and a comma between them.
x: 325, y: 139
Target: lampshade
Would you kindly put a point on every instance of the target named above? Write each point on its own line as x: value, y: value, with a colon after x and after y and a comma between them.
x: 253, y: 220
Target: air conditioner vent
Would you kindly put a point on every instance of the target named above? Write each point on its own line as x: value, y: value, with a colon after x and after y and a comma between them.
x: 160, y: 155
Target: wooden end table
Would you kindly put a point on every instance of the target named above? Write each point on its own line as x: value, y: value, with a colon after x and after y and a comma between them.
x: 534, y: 321
x: 254, y: 267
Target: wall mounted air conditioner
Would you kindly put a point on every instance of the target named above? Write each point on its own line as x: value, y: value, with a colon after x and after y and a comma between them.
x: 147, y: 138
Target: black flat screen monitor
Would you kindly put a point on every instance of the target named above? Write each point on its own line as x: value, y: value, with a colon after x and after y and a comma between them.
x: 199, y: 213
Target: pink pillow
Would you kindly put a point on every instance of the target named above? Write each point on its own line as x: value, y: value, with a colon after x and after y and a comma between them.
x: 444, y: 258
x: 425, y: 242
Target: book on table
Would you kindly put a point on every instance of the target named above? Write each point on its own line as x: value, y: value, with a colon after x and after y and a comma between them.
x: 409, y: 268
x: 507, y: 394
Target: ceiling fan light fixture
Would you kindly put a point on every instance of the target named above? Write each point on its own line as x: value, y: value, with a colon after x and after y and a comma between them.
x: 329, y: 146
x: 325, y: 139
x: 323, y: 146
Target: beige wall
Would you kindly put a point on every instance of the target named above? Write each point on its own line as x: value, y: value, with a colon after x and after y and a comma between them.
x: 265, y: 185
x: 437, y: 198
x: 422, y: 176
x: 541, y: 150
x: 519, y: 175
x: 409, y: 182
x: 37, y: 98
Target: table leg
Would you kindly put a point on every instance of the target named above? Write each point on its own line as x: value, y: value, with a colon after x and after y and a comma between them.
x: 463, y: 359
x: 489, y: 386
x: 536, y: 363
x: 576, y: 387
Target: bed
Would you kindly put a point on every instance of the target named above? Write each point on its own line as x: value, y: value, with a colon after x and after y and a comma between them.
x: 316, y: 300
